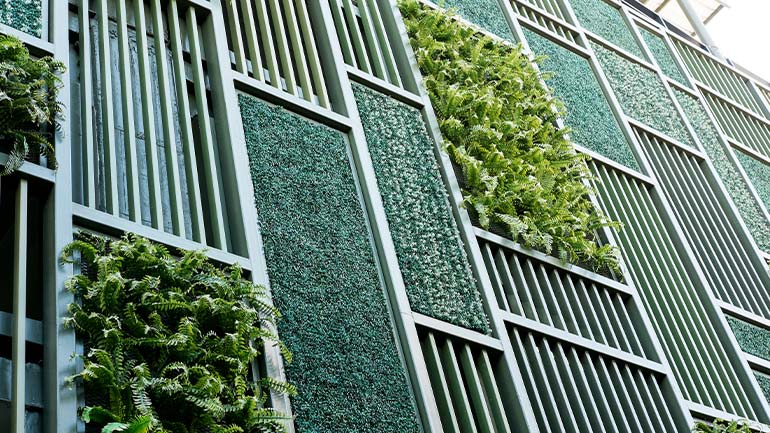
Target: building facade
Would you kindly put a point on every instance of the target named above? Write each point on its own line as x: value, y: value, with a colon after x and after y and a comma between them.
x: 296, y: 139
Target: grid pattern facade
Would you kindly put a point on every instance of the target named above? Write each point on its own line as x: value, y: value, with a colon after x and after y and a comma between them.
x: 172, y: 130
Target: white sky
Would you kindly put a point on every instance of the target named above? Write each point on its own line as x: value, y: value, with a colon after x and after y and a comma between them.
x: 742, y: 33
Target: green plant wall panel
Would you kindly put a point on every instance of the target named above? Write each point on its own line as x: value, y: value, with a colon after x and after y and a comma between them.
x: 588, y: 113
x: 751, y: 338
x: 736, y: 186
x: 759, y: 174
x: 437, y: 275
x: 662, y: 55
x: 604, y: 20
x: 642, y: 94
x: 23, y: 15
x: 764, y: 383
x: 486, y: 14
x: 324, y: 278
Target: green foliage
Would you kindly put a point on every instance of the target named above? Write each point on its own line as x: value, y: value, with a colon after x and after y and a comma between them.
x: 642, y: 94
x: 605, y: 20
x: 519, y: 170
x: 736, y: 186
x: 28, y: 104
x: 170, y: 341
x: 484, y: 13
x: 437, y: 275
x: 662, y: 55
x: 588, y: 113
x: 324, y: 278
x: 722, y: 426
x: 23, y: 15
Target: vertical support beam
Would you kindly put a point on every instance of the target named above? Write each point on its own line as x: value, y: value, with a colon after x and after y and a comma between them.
x: 19, y: 308
x: 405, y: 328
x: 60, y: 413
x: 700, y: 28
x: 239, y: 189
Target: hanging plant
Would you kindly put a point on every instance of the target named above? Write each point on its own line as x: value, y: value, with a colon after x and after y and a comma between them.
x: 517, y: 167
x: 29, y: 108
x: 722, y: 426
x: 170, y: 342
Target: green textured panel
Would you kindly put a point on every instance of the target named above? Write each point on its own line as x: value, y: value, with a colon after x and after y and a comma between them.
x: 484, y: 13
x: 22, y: 15
x: 642, y: 94
x: 662, y: 55
x: 606, y: 21
x: 764, y: 383
x: 759, y: 174
x: 751, y: 338
x: 437, y: 275
x: 588, y: 113
x: 324, y: 278
x: 734, y: 183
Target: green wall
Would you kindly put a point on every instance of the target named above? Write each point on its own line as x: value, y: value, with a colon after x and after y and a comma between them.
x: 22, y: 15
x: 324, y: 278
x: 589, y: 116
x: 436, y: 272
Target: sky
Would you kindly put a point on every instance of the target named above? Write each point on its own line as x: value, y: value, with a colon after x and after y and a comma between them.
x: 742, y: 33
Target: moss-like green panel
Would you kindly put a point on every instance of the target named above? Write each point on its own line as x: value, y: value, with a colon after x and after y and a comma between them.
x: 486, y: 14
x: 764, y: 383
x: 662, y: 55
x: 437, y: 275
x: 605, y: 20
x: 736, y: 186
x: 759, y: 174
x: 751, y: 338
x: 22, y: 15
x: 642, y: 94
x: 324, y: 278
x: 588, y: 113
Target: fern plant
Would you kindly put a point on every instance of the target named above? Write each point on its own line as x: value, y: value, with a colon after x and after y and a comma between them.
x: 28, y: 104
x: 519, y: 170
x: 722, y: 426
x: 170, y: 342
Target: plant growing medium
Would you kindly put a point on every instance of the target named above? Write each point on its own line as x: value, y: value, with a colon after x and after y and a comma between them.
x: 736, y: 186
x: 518, y: 169
x: 170, y: 341
x: 324, y: 277
x: 642, y: 94
x: 28, y: 104
x: 588, y: 113
x: 437, y: 275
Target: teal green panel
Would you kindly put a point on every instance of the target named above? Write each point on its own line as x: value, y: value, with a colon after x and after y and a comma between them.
x: 22, y: 15
x: 323, y: 278
x: 759, y: 174
x: 486, y: 14
x: 642, y: 94
x: 662, y: 55
x: 736, y: 186
x: 588, y: 113
x: 751, y: 338
x: 437, y: 275
x: 605, y: 20
x: 764, y: 383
